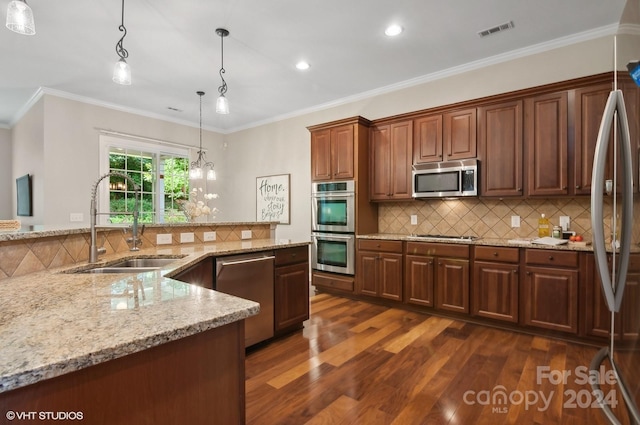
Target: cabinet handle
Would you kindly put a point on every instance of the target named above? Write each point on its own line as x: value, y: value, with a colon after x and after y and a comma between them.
x: 577, y: 186
x: 495, y: 254
x: 515, y: 271
x: 439, y: 263
x: 528, y: 273
x: 551, y: 258
x: 564, y: 187
x: 519, y: 189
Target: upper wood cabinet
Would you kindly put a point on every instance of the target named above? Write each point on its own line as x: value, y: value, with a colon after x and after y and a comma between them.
x: 391, y: 156
x: 546, y: 139
x: 501, y: 148
x: 459, y: 137
x: 427, y: 139
x: 338, y: 149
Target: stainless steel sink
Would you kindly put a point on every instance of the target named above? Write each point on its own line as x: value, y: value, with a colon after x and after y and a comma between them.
x: 131, y: 265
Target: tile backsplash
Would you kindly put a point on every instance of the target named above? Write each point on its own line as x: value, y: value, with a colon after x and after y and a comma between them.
x: 491, y: 218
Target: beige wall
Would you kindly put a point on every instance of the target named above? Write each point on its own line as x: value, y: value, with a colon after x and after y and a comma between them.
x: 6, y: 174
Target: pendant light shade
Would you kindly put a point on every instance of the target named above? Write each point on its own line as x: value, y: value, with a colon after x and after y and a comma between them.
x: 196, y: 170
x: 122, y: 70
x: 20, y: 18
x: 222, y: 104
x: 122, y: 73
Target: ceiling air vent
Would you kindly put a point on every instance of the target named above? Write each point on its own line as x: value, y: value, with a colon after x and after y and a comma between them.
x: 496, y: 29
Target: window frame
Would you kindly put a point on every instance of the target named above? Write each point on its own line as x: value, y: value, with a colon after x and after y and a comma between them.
x: 108, y: 142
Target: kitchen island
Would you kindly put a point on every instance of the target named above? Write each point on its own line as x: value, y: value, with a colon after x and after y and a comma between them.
x: 125, y: 348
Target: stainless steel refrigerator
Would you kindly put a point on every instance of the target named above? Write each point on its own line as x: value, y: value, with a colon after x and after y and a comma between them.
x: 612, y: 220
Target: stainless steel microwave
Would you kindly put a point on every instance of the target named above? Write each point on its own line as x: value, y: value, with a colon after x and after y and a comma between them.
x: 451, y: 179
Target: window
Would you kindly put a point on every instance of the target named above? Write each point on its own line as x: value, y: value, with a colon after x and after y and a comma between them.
x: 162, y: 172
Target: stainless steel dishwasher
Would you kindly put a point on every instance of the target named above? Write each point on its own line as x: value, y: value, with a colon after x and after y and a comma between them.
x: 250, y: 276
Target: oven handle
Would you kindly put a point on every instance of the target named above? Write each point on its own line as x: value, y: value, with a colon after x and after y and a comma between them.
x: 339, y: 195
x: 325, y: 236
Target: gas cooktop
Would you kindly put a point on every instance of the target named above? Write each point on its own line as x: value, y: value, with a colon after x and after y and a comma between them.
x: 447, y: 237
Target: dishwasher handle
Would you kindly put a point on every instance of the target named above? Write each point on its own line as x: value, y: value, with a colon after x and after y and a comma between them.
x: 248, y: 260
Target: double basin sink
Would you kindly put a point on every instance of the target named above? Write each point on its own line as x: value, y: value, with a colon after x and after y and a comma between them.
x: 132, y: 265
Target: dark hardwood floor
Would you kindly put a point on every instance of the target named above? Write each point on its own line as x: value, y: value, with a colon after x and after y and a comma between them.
x: 358, y: 363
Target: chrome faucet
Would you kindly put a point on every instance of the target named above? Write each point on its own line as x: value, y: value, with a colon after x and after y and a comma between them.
x: 94, y: 251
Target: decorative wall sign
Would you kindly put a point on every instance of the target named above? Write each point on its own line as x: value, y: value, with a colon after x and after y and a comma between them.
x: 272, y: 198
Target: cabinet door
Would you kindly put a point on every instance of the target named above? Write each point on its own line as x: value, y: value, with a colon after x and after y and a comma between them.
x: 427, y: 139
x: 291, y: 295
x: 418, y: 282
x: 390, y: 276
x: 589, y: 108
x: 459, y: 136
x: 401, y: 157
x: 321, y: 155
x: 546, y: 140
x: 380, y: 179
x: 500, y: 139
x: 453, y: 285
x: 200, y: 274
x: 495, y: 291
x: 550, y: 299
x: 630, y: 314
x: 597, y: 317
x: 366, y: 278
x: 342, y: 152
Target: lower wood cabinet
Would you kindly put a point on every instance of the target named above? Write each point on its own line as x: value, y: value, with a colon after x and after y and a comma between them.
x: 200, y: 274
x: 291, y: 287
x: 495, y: 283
x: 550, y: 290
x: 332, y: 282
x: 437, y: 275
x: 379, y: 269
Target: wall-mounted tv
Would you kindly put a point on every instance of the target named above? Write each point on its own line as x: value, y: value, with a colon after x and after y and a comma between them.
x: 23, y: 187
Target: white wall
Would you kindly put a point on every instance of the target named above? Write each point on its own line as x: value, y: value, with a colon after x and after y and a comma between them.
x: 6, y: 211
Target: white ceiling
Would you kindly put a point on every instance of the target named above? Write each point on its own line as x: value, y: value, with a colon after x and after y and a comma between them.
x: 174, y: 50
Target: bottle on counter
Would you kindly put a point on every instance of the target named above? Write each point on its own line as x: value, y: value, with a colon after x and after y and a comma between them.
x: 557, y: 232
x: 543, y: 226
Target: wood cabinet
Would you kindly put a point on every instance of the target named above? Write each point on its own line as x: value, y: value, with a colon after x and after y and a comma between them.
x: 391, y: 147
x: 336, y: 152
x: 546, y: 139
x: 549, y: 296
x: 291, y: 287
x: 501, y: 148
x: 495, y: 283
x: 201, y: 274
x: 437, y: 274
x: 427, y: 139
x: 333, y: 282
x: 597, y: 316
x: 459, y: 137
x: 379, y: 269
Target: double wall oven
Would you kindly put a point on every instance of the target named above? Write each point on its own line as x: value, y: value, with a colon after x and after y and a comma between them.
x: 333, y: 226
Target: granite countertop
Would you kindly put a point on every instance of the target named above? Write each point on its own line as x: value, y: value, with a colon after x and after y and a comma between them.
x: 55, y: 322
x: 520, y: 242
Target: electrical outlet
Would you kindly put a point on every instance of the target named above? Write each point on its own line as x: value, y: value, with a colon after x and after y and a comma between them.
x: 246, y: 234
x: 515, y: 221
x: 209, y: 236
x: 76, y: 217
x: 565, y: 222
x: 414, y: 219
x: 163, y: 238
x: 186, y: 237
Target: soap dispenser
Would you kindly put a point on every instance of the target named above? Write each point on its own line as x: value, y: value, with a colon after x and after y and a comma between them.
x: 543, y: 226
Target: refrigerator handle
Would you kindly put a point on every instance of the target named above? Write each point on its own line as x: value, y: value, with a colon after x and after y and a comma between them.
x: 613, y: 293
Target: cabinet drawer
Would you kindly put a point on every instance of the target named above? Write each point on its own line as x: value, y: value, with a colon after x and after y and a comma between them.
x: 438, y: 249
x: 492, y: 253
x: 342, y: 283
x: 299, y: 254
x: 380, y: 245
x: 549, y: 257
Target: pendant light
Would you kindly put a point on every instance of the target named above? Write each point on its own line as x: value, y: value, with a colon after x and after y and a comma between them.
x: 20, y: 18
x: 222, y: 104
x: 196, y: 170
x: 122, y: 70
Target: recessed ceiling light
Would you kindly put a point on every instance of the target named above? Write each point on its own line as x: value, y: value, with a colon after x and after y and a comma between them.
x: 302, y: 65
x: 393, y: 30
